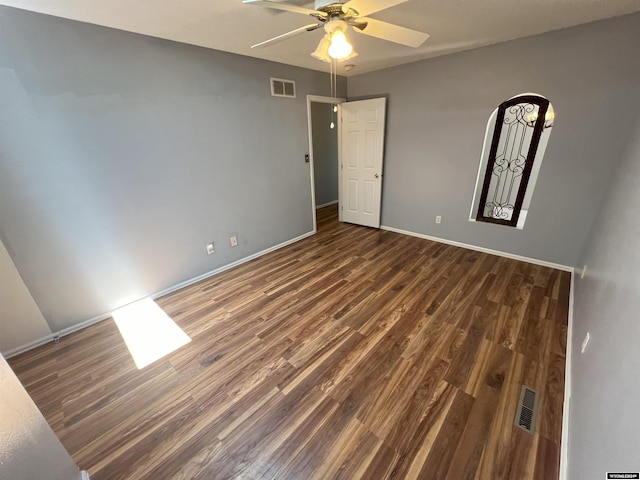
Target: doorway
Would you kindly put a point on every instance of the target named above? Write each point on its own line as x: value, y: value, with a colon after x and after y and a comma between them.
x: 358, y: 142
x: 323, y: 153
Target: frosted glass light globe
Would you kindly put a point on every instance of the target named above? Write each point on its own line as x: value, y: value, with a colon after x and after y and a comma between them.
x: 340, y: 48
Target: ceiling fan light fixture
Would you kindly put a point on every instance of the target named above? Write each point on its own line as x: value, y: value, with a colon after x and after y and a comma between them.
x: 340, y: 47
x: 337, y: 16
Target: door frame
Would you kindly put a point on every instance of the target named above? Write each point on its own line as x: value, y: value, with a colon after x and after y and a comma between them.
x: 321, y: 99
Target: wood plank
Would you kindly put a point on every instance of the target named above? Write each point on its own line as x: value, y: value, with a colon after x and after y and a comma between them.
x: 551, y: 403
x: 444, y: 447
x: 476, y: 431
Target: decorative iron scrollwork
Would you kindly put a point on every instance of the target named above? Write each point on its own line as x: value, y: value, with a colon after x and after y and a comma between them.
x: 520, y: 122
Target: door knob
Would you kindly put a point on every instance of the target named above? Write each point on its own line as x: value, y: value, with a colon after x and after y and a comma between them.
x: 376, y: 175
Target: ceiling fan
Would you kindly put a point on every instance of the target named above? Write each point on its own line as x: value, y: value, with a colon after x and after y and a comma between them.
x: 337, y: 16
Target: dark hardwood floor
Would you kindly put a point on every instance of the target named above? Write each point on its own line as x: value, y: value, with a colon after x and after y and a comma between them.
x: 356, y: 353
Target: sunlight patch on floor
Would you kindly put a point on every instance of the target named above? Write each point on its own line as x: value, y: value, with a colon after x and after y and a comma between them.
x: 148, y: 332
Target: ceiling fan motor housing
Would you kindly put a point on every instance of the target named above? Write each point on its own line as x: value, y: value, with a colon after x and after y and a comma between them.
x: 329, y: 6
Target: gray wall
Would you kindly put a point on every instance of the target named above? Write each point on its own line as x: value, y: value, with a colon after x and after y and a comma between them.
x: 122, y: 155
x: 21, y: 322
x: 29, y: 450
x: 604, y: 417
x: 437, y: 114
x: 325, y: 153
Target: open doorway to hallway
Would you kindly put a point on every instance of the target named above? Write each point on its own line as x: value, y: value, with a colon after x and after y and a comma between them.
x: 323, y: 147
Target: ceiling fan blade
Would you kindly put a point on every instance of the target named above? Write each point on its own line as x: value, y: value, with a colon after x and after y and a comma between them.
x: 367, y: 7
x: 285, y: 6
x: 393, y: 33
x: 284, y: 36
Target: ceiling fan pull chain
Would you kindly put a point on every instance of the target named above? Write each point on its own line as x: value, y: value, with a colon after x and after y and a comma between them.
x: 333, y: 78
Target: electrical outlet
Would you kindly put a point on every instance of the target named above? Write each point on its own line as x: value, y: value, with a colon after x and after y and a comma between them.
x: 438, y: 219
x: 210, y: 249
x: 234, y: 241
x: 584, y: 271
x: 585, y: 342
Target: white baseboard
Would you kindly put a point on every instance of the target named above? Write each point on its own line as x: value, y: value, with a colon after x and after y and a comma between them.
x: 85, y: 475
x: 28, y: 346
x: 326, y: 204
x: 513, y: 256
x: 98, y: 318
x: 564, y: 442
x: 229, y: 266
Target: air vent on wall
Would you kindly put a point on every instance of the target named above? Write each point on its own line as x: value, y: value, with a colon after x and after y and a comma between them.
x: 527, y: 410
x: 283, y: 88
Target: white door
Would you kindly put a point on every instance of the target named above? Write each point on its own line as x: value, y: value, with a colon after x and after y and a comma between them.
x: 362, y: 146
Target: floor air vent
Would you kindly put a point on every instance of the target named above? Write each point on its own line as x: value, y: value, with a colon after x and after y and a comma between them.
x: 527, y: 410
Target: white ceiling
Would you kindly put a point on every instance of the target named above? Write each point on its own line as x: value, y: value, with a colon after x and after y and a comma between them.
x: 228, y: 25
